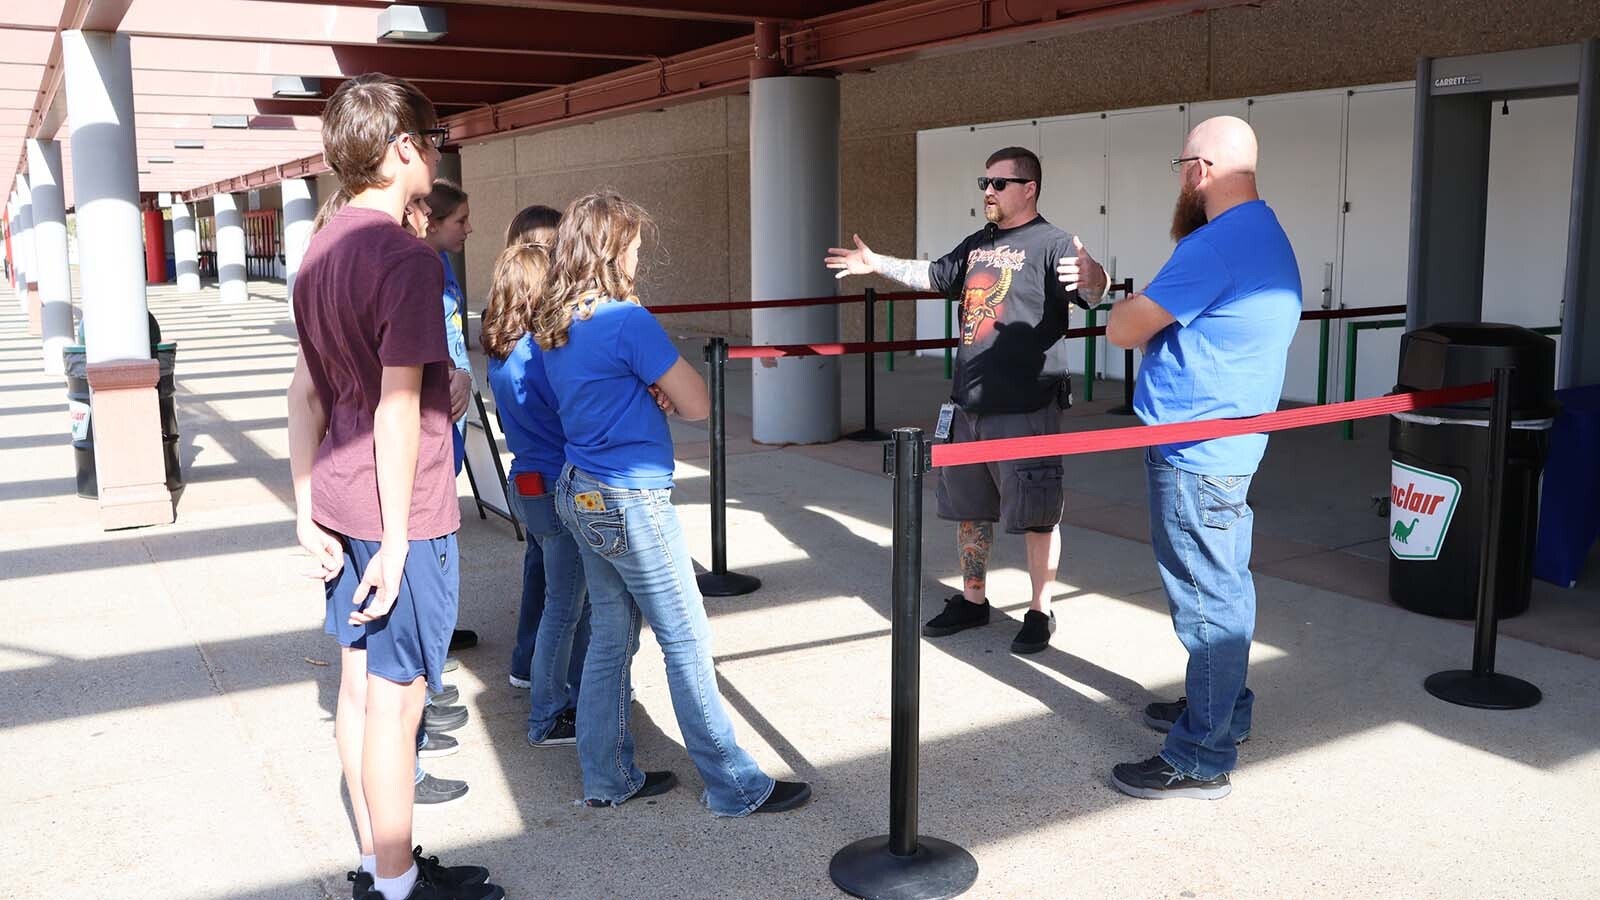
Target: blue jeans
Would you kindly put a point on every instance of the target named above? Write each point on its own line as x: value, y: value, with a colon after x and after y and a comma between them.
x: 555, y: 613
x: 638, y: 566
x: 1200, y: 528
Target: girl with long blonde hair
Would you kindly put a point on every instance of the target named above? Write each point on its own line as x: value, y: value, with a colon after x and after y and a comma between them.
x: 616, y: 374
x: 553, y: 623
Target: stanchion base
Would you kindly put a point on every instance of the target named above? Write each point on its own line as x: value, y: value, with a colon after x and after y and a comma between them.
x: 868, y: 434
x: 1492, y: 691
x: 1123, y: 410
x: 937, y: 870
x: 726, y: 584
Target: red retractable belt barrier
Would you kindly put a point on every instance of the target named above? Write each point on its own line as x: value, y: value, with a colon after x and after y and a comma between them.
x: 1204, y: 430
x: 663, y: 309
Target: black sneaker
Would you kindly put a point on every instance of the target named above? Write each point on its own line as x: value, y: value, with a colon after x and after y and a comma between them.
x: 1156, y: 779
x: 360, y: 883
x: 1162, y: 716
x: 431, y: 790
x: 958, y: 615
x: 443, y: 718
x: 437, y: 743
x: 562, y: 734
x: 463, y: 639
x: 426, y: 890
x: 428, y: 867
x: 1035, y: 634
x: 446, y: 697
x: 786, y: 795
x: 655, y: 784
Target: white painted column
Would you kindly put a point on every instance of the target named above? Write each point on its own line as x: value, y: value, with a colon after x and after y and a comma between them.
x: 299, y: 209
x: 794, y: 219
x: 105, y: 183
x: 12, y: 216
x: 22, y: 244
x: 50, y: 250
x: 230, y: 247
x: 185, y: 247
x: 122, y: 376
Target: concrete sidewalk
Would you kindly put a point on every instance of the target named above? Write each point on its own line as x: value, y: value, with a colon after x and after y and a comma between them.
x: 170, y: 722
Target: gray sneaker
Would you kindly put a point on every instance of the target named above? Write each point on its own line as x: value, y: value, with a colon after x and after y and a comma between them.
x: 432, y: 790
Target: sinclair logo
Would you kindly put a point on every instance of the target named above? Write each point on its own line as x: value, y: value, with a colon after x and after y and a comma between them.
x: 1421, y: 505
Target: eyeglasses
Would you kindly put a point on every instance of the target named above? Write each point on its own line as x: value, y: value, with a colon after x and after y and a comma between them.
x: 1000, y: 184
x: 434, y: 136
x: 1177, y: 164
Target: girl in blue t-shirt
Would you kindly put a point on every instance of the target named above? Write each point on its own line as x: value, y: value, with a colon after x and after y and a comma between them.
x: 616, y: 375
x: 553, y: 626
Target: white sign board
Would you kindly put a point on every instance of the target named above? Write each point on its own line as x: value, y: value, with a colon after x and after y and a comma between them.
x: 1421, y: 505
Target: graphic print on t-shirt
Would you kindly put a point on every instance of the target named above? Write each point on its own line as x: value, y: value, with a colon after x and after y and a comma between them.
x: 983, y: 294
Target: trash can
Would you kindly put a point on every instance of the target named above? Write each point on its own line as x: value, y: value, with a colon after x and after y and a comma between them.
x: 1438, y: 476
x: 80, y: 408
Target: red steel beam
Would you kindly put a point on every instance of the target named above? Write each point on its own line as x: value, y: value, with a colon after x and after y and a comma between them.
x: 305, y: 167
x: 733, y: 11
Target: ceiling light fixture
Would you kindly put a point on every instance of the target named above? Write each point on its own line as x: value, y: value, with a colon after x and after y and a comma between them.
x: 230, y: 121
x: 414, y: 24
x: 293, y: 86
x: 188, y: 144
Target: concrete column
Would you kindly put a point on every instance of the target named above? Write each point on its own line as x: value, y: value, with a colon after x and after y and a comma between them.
x: 122, y: 376
x: 794, y: 219
x: 14, y: 270
x: 230, y: 248
x: 29, y: 297
x: 1580, y: 321
x: 50, y: 251
x: 299, y: 209
x: 186, y: 247
x: 450, y: 167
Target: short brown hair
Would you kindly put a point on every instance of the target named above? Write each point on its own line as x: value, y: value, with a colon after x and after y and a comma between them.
x: 1027, y: 164
x: 445, y: 198
x: 533, y: 225
x: 360, y: 119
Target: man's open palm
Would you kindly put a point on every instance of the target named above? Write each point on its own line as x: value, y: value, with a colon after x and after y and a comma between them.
x: 860, y: 261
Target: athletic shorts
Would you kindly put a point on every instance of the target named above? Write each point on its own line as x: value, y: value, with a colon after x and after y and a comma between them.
x: 1022, y: 495
x: 411, y: 641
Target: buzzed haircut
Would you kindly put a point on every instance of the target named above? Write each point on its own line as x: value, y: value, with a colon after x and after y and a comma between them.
x: 360, y: 119
x: 1027, y: 164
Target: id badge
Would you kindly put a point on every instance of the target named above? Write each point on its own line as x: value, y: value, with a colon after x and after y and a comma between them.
x: 947, y: 414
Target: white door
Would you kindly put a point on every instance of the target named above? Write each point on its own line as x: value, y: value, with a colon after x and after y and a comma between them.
x: 1072, y: 153
x: 1530, y: 200
x: 949, y: 204
x: 1141, y: 191
x: 1377, y: 235
x: 1301, y: 138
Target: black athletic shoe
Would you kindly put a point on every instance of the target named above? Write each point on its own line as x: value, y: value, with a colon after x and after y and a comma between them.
x: 1035, y: 634
x: 428, y: 867
x: 443, y: 718
x: 446, y: 697
x: 655, y: 784
x: 426, y: 890
x: 563, y: 733
x: 437, y: 743
x: 463, y: 639
x: 360, y: 883
x: 1162, y: 716
x: 432, y: 790
x: 1156, y: 779
x: 786, y: 795
x: 958, y: 615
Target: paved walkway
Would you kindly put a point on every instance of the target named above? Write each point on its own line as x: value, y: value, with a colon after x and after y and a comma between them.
x: 169, y: 724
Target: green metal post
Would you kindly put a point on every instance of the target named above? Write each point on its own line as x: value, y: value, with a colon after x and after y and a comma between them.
x: 1350, y: 376
x: 1088, y: 357
x: 1322, y: 363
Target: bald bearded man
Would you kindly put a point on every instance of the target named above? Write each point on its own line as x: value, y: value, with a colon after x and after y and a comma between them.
x: 1215, y: 325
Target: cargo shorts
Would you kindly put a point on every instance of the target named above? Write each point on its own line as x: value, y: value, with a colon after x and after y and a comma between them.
x: 1022, y: 495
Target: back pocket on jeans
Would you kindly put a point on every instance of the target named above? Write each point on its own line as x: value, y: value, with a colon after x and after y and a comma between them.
x: 1222, y: 500
x: 605, y: 531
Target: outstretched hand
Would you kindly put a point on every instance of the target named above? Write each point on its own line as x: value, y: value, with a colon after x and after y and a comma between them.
x: 860, y: 261
x: 1081, y: 271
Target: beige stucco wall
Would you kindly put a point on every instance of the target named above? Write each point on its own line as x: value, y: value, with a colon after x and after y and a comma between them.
x: 689, y: 165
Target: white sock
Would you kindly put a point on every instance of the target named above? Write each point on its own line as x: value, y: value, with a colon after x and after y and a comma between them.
x: 397, y: 888
x: 369, y: 864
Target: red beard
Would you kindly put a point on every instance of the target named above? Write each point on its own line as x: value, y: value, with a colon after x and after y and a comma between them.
x: 1189, y: 213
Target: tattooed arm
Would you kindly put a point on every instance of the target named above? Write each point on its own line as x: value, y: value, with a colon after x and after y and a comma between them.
x: 916, y: 274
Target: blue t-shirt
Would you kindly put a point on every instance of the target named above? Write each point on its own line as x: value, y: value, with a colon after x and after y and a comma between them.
x: 601, y: 377
x: 527, y: 406
x: 1234, y: 287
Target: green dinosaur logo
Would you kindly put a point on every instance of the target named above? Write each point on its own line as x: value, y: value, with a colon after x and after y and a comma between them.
x: 1402, y: 531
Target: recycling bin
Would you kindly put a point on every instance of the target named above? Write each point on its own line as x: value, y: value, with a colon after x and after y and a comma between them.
x: 1438, y: 495
x: 81, y: 410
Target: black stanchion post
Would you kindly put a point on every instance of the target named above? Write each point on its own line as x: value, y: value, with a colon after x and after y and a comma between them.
x: 869, y: 431
x: 719, y: 582
x: 904, y: 865
x: 1481, y: 686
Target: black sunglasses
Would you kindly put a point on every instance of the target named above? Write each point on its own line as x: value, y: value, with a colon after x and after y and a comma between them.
x: 434, y: 136
x: 1000, y: 184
